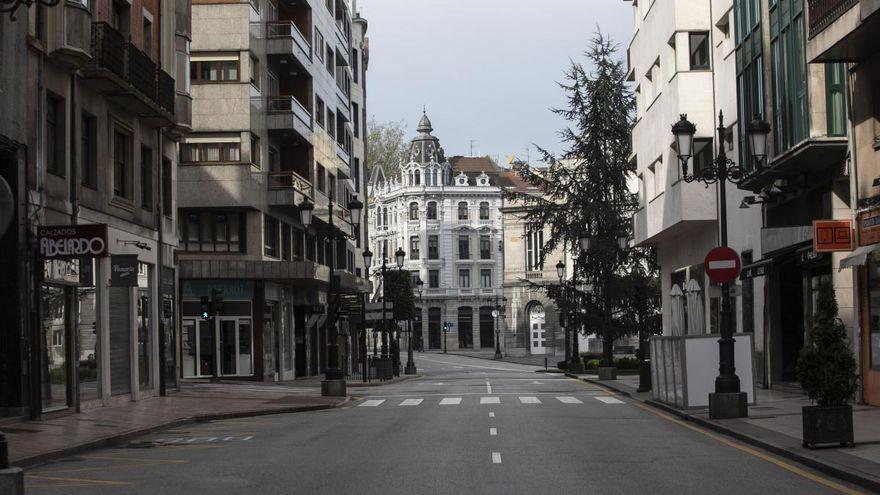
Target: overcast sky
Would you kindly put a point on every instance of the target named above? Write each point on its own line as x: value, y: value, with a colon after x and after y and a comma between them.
x: 485, y: 69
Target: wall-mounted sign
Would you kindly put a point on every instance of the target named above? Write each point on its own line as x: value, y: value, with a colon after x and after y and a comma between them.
x: 124, y: 270
x: 233, y: 290
x: 869, y: 227
x: 832, y: 235
x: 72, y: 241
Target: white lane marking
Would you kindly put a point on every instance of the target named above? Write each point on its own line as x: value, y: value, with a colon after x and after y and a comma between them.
x: 569, y: 400
x: 438, y: 383
x: 481, y: 367
x: 488, y: 387
x: 450, y: 401
x: 371, y: 403
x: 411, y: 402
x: 496, y: 457
x: 493, y: 431
x: 536, y: 382
x: 490, y: 400
x: 529, y: 400
x: 609, y: 400
x: 491, y: 414
x: 457, y: 367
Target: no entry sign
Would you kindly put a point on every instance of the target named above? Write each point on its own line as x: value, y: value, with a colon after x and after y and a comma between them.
x: 722, y: 265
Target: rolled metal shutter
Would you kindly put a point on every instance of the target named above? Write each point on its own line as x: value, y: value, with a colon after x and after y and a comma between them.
x: 120, y: 341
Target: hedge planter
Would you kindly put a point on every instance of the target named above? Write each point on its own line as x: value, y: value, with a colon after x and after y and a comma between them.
x: 828, y: 425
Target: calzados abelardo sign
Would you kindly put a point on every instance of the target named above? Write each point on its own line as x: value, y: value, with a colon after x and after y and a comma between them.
x: 72, y: 241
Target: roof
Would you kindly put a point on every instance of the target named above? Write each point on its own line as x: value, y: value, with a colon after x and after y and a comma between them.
x: 474, y: 164
x: 511, y: 181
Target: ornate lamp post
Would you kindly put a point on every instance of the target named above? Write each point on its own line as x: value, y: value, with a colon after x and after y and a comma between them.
x: 368, y: 262
x: 563, y: 322
x: 410, y: 365
x: 727, y: 401
x: 498, y: 313
x: 420, y: 286
x: 334, y: 377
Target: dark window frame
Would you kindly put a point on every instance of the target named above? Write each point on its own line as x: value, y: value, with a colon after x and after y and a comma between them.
x: 224, y: 152
x: 88, y: 152
x: 207, y: 222
x: 55, y: 131
x: 222, y: 69
x: 146, y: 175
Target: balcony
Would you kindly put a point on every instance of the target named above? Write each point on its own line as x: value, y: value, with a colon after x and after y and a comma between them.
x: 678, y: 210
x: 843, y: 30
x: 284, y: 113
x: 284, y: 38
x: 129, y: 77
x: 343, y: 154
x: 71, y: 49
x: 286, y: 188
x: 807, y: 159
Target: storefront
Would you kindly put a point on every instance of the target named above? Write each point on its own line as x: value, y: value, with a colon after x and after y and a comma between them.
x: 865, y: 260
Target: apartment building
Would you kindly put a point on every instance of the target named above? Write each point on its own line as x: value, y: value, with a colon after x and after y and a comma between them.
x: 844, y: 32
x: 682, y: 61
x: 444, y: 213
x: 278, y: 104
x: 94, y: 102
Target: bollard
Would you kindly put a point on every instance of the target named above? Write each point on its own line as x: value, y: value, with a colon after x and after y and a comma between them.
x: 545, y: 364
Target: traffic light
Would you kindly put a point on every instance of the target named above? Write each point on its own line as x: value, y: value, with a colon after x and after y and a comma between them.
x: 206, y: 307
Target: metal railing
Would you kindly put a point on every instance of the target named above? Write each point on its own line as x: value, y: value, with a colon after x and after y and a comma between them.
x: 167, y: 91
x: 823, y: 12
x: 288, y: 179
x: 289, y: 104
x: 141, y: 72
x: 108, y: 48
x: 288, y: 29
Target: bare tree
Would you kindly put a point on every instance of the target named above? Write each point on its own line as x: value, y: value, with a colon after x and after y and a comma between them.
x: 386, y: 145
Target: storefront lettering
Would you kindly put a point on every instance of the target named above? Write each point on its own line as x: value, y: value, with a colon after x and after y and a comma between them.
x: 72, y: 241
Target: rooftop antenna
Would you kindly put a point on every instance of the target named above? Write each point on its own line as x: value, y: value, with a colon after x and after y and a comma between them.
x: 472, y: 147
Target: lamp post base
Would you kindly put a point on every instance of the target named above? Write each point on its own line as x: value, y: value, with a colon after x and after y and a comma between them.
x: 728, y: 405
x: 333, y: 388
x: 410, y: 369
x: 498, y: 355
x: 644, y: 376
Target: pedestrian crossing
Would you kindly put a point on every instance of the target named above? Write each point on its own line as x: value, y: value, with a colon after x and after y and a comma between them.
x: 528, y: 400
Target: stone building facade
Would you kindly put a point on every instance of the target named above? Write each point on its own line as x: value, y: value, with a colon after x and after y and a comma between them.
x: 445, y: 214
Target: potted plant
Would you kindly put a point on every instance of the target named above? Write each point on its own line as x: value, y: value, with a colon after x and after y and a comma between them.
x: 826, y: 369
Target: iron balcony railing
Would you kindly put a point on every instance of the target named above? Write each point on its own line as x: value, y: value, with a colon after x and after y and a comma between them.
x: 166, y: 91
x: 288, y: 29
x: 288, y: 179
x: 108, y: 48
x: 141, y: 72
x: 824, y: 12
x: 289, y: 104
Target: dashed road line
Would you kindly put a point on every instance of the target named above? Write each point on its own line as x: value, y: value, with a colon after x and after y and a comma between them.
x: 569, y: 400
x: 496, y: 457
x: 493, y: 431
x: 488, y: 387
x: 491, y: 414
x: 490, y: 400
x: 450, y: 401
x: 529, y: 400
x: 372, y: 403
x: 411, y: 402
x: 609, y: 400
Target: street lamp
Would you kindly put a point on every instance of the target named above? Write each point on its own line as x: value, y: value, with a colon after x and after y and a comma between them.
x: 497, y: 313
x: 399, y: 257
x: 334, y: 377
x: 728, y: 401
x: 560, y: 271
x: 410, y: 365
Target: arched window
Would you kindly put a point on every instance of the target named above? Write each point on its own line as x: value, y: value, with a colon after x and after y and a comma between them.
x: 434, y: 177
x: 432, y: 210
x: 484, y: 210
x: 463, y: 211
x: 414, y: 210
x: 385, y: 216
x: 378, y: 217
x: 417, y: 178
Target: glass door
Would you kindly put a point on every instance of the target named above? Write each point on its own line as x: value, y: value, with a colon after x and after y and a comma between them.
x: 205, y: 348
x: 55, y: 377
x: 228, y: 344
x: 189, y: 348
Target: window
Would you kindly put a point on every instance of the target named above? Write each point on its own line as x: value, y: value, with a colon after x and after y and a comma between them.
x: 255, y: 72
x: 286, y: 241
x: 214, y: 69
x: 356, y: 115
x: 122, y: 167
x: 146, y: 178
x: 413, y: 211
x: 417, y: 178
x: 414, y: 247
x: 148, y: 37
x: 486, y: 279
x: 330, y: 60
x: 88, y: 151
x: 464, y: 247
x: 485, y: 248
x: 355, y: 64
x: 55, y: 135
x: 465, y: 327
x: 331, y: 187
x: 699, y: 51
x: 750, y: 73
x: 874, y: 312
x: 357, y: 174
x: 534, y: 247
x: 385, y: 216
x: 464, y: 278
x: 167, y: 185
x: 270, y: 236
x: 120, y: 17
x: 462, y: 211
x: 433, y: 279
x: 319, y: 45
x: 207, y: 152
x: 484, y: 210
x: 211, y: 231
x: 702, y: 155
x: 433, y: 247
x: 432, y: 210
x: 331, y: 123
x: 320, y: 111
x: 320, y: 178
x: 255, y: 151
x: 835, y: 96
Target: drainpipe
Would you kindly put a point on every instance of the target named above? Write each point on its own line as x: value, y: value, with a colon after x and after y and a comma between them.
x: 35, y: 357
x: 854, y: 201
x: 74, y: 213
x: 160, y: 221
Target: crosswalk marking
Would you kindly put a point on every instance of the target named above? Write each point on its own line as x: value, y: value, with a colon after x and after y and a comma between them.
x: 411, y: 402
x: 490, y: 400
x: 371, y: 403
x: 609, y: 400
x: 529, y: 400
x: 491, y: 415
x: 569, y: 400
x: 493, y: 431
x: 450, y: 401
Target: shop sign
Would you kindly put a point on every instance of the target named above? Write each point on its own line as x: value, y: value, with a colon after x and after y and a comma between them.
x: 72, y: 241
x: 61, y: 271
x: 242, y: 290
x: 869, y: 227
x: 832, y: 235
x: 124, y: 270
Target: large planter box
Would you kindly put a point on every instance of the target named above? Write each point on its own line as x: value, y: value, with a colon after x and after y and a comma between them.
x: 827, y: 425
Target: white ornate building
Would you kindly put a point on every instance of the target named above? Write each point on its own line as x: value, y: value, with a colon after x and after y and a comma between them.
x: 445, y: 215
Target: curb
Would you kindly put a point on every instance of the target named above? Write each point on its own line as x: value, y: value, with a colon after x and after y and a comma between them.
x: 395, y: 381
x: 30, y: 461
x: 810, y: 461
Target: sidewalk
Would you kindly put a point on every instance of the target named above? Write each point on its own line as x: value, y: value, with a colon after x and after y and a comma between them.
x: 527, y: 360
x: 774, y: 424
x: 31, y: 442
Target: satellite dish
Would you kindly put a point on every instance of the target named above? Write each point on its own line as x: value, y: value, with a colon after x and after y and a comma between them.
x: 7, y: 206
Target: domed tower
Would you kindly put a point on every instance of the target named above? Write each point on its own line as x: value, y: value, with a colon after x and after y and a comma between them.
x: 426, y: 163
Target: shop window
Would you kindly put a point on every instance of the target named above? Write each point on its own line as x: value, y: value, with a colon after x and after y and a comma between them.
x: 874, y: 305
x: 465, y: 327
x: 144, y: 325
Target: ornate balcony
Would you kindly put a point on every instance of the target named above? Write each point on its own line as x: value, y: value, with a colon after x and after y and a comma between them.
x: 824, y: 12
x: 286, y: 188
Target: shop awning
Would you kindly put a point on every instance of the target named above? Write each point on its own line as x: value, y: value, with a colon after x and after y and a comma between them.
x: 859, y: 256
x: 756, y: 269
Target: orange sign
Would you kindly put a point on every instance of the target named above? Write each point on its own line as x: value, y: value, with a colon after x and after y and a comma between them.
x: 832, y: 235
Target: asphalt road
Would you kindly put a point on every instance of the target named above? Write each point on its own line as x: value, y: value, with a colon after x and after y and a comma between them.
x: 468, y: 426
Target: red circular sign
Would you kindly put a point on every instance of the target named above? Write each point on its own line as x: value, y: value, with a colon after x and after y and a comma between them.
x: 722, y: 265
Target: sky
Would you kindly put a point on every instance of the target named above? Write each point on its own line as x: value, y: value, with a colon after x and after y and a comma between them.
x: 485, y: 70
